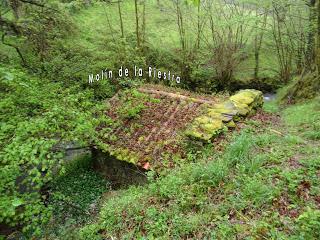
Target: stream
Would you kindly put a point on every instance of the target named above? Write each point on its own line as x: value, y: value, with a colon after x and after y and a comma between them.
x: 267, y: 97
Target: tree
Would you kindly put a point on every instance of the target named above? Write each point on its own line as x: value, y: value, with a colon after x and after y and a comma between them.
x: 231, y: 29
x: 120, y: 19
x: 137, y: 22
x: 318, y: 43
x: 311, y: 33
x: 34, y: 32
x: 258, y: 40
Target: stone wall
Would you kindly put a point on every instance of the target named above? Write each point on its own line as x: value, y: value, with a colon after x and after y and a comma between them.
x: 119, y: 173
x: 222, y: 116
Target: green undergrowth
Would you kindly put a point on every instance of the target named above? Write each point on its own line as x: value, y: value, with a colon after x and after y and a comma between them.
x: 263, y: 185
x: 74, y: 197
x: 305, y: 86
x: 134, y: 103
x: 306, y: 118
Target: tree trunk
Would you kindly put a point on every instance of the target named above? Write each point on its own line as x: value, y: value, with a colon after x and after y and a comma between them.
x: 108, y: 22
x: 181, y: 27
x: 318, y: 42
x: 256, y: 67
x: 144, y: 23
x: 24, y: 63
x: 257, y: 48
x: 137, y: 23
x: 121, y: 21
x: 15, y: 5
x: 311, y: 34
x: 175, y: 96
x: 199, y: 25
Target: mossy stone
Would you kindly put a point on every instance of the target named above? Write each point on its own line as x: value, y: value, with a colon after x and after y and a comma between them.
x: 231, y: 124
x: 243, y: 109
x: 198, y: 134
x: 249, y: 97
x: 224, y: 117
x: 244, y: 103
x: 212, y: 127
x: 203, y: 120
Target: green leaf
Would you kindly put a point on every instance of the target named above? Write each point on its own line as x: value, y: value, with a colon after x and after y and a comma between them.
x: 17, y: 202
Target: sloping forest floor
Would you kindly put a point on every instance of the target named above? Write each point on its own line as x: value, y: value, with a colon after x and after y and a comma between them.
x: 260, y: 182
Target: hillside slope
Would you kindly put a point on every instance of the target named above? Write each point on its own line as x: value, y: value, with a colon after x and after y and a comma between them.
x: 263, y: 183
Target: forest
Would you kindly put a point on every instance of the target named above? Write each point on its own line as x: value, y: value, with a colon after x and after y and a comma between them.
x: 149, y: 119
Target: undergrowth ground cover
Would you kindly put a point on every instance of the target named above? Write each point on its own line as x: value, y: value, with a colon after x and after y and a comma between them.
x: 263, y: 182
x: 74, y: 197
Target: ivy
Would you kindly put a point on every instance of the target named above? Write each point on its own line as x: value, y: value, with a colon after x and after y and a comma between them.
x: 37, y: 117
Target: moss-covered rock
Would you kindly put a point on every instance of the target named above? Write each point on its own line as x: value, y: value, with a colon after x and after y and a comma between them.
x: 204, y: 128
x: 222, y: 115
x: 243, y: 98
x: 243, y: 109
x: 252, y: 98
x: 213, y: 126
x: 227, y: 107
x: 231, y: 124
x: 247, y: 100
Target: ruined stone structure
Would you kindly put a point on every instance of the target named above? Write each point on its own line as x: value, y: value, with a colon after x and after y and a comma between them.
x: 154, y: 123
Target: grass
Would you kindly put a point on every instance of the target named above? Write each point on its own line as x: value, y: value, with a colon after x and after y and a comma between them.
x: 264, y: 185
x: 306, y: 118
